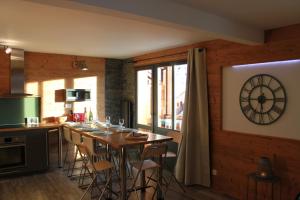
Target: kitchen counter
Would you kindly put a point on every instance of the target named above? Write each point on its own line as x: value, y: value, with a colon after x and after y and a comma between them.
x: 30, y: 145
x: 22, y: 127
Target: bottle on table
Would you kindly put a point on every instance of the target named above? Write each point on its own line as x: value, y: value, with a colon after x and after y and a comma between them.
x: 90, y: 115
x: 86, y: 117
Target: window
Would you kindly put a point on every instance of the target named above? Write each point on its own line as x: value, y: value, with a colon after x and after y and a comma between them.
x: 144, y: 89
x: 160, y: 96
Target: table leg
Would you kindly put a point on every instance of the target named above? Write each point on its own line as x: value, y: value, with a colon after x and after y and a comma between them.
x: 123, y: 173
x: 272, y: 190
x: 255, y: 190
x: 142, y: 176
x: 60, y: 156
x: 160, y: 171
x: 247, y: 187
x: 108, y: 150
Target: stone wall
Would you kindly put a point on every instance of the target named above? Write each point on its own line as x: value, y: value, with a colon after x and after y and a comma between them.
x: 129, y: 86
x: 113, y: 89
x: 119, y: 88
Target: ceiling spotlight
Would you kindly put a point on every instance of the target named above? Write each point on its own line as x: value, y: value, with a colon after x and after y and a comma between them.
x: 7, y: 49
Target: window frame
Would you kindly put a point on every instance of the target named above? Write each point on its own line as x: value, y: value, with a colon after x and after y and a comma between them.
x: 154, y: 99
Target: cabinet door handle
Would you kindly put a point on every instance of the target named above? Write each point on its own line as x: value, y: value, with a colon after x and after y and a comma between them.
x: 53, y: 130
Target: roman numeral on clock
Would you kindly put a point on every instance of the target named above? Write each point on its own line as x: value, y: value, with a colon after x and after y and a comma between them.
x: 261, y: 118
x: 252, y: 82
x: 260, y: 80
x: 246, y: 108
x: 277, y: 109
x: 244, y: 99
x: 246, y: 90
x: 277, y: 89
x: 270, y: 117
x: 279, y: 99
x: 252, y: 116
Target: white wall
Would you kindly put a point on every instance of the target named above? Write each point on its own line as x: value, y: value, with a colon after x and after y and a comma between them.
x: 288, y: 125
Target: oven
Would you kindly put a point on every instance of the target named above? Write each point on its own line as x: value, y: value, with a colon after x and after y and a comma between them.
x: 12, y: 153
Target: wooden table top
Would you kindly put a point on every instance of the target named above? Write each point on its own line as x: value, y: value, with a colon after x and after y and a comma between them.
x: 118, y: 139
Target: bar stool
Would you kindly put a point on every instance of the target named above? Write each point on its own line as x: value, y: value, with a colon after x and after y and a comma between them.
x: 97, y: 153
x: 76, y: 139
x: 154, y: 151
x: 70, y: 144
x: 177, y: 138
x: 94, y: 166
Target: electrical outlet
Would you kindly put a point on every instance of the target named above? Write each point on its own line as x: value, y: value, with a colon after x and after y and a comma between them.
x: 214, y: 172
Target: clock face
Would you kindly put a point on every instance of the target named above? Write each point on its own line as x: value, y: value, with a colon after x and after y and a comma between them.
x: 262, y: 99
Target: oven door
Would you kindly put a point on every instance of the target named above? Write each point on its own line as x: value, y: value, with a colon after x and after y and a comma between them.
x: 12, y: 156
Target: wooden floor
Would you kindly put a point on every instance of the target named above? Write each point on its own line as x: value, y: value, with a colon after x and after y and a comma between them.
x: 55, y: 185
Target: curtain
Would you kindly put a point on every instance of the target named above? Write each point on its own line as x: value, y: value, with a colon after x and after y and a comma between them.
x: 193, y: 165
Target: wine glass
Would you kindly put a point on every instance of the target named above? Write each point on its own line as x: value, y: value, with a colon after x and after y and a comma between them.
x: 121, y: 122
x: 107, y: 123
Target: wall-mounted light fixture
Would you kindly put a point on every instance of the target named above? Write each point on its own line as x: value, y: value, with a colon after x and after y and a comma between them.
x: 7, y: 49
x: 80, y: 64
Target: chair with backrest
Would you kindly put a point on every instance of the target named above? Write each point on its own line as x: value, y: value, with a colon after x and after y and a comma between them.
x: 94, y: 166
x: 67, y: 136
x: 70, y: 146
x: 76, y: 139
x: 149, y: 157
x: 177, y: 138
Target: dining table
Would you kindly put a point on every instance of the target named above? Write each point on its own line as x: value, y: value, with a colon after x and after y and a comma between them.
x: 119, y: 140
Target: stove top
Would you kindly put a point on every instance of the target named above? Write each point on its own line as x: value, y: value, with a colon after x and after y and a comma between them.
x: 11, y: 126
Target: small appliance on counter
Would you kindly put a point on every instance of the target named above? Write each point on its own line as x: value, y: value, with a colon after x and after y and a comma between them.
x: 31, y: 120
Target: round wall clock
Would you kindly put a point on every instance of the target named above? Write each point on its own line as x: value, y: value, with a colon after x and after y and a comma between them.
x: 262, y: 99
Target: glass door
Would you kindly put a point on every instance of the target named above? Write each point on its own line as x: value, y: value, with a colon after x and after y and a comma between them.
x: 144, y: 99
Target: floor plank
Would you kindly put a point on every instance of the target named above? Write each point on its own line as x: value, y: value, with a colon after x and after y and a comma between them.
x: 54, y: 184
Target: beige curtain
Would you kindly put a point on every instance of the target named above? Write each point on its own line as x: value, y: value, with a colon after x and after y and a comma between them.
x: 193, y: 165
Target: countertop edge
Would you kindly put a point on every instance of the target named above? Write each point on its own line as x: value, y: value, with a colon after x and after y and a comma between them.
x: 31, y: 127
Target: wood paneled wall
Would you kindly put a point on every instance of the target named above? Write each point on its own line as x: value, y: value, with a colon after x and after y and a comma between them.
x: 41, y: 67
x: 234, y: 155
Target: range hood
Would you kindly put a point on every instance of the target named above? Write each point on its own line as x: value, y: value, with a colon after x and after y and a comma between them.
x: 17, y: 77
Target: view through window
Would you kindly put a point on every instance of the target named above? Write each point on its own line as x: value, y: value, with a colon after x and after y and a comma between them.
x: 168, y: 96
x: 144, y: 89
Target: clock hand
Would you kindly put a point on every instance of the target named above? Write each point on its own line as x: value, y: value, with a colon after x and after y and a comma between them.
x: 261, y: 93
x: 256, y: 106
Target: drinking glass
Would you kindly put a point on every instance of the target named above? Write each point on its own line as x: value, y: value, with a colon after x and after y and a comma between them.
x: 107, y: 123
x: 121, y: 122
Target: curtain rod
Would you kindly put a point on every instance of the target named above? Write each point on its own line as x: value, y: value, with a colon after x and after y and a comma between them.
x: 135, y: 61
